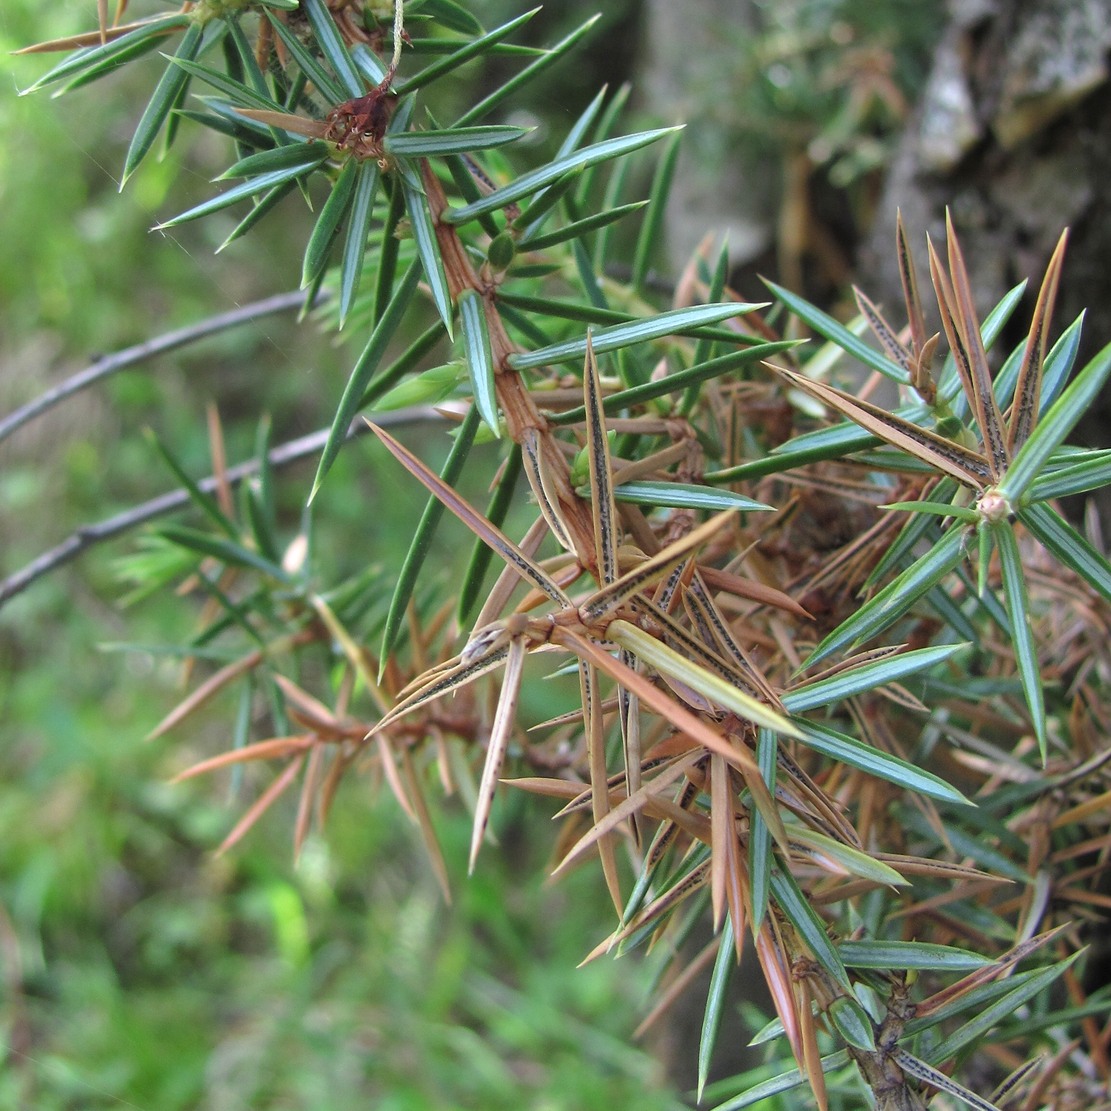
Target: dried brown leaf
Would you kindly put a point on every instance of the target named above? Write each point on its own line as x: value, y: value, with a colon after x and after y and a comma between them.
x: 915, y: 317
x: 886, y: 335
x: 90, y: 38
x: 262, y: 804
x: 424, y: 823
x: 485, y: 530
x: 210, y: 687
x: 608, y: 599
x: 305, y: 804
x: 504, y: 720
x: 272, y: 749
x: 1024, y: 411
x: 299, y: 125
x: 963, y: 464
x: 970, y: 347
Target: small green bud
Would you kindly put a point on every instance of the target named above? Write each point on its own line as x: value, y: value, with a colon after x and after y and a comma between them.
x: 580, y: 468
x: 424, y: 389
x: 501, y: 251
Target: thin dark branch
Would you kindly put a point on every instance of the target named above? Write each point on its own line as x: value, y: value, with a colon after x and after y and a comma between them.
x: 88, y: 536
x: 129, y: 356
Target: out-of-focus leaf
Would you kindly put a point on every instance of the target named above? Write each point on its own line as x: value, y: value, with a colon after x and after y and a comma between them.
x: 226, y: 551
x: 204, y: 502
x: 607, y: 123
x: 426, y: 388
x: 453, y: 16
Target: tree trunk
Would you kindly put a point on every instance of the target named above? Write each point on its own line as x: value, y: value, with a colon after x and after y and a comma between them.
x: 684, y: 67
x: 1012, y: 135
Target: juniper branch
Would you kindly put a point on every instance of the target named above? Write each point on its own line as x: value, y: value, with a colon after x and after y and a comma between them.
x: 107, y: 365
x: 88, y: 536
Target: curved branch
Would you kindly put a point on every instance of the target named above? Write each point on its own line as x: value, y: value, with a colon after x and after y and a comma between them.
x: 88, y: 536
x: 129, y: 356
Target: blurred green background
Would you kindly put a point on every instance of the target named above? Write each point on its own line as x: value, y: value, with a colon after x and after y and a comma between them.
x: 137, y: 969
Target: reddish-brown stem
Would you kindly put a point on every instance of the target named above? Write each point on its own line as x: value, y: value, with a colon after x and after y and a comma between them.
x: 524, y: 421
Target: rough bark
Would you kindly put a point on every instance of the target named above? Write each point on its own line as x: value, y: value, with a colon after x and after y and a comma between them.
x: 1012, y: 135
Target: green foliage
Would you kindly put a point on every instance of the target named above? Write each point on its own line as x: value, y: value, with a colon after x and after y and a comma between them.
x: 706, y: 761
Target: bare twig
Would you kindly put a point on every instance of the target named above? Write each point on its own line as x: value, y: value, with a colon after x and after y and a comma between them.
x: 129, y: 356
x: 398, y: 32
x: 88, y: 536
